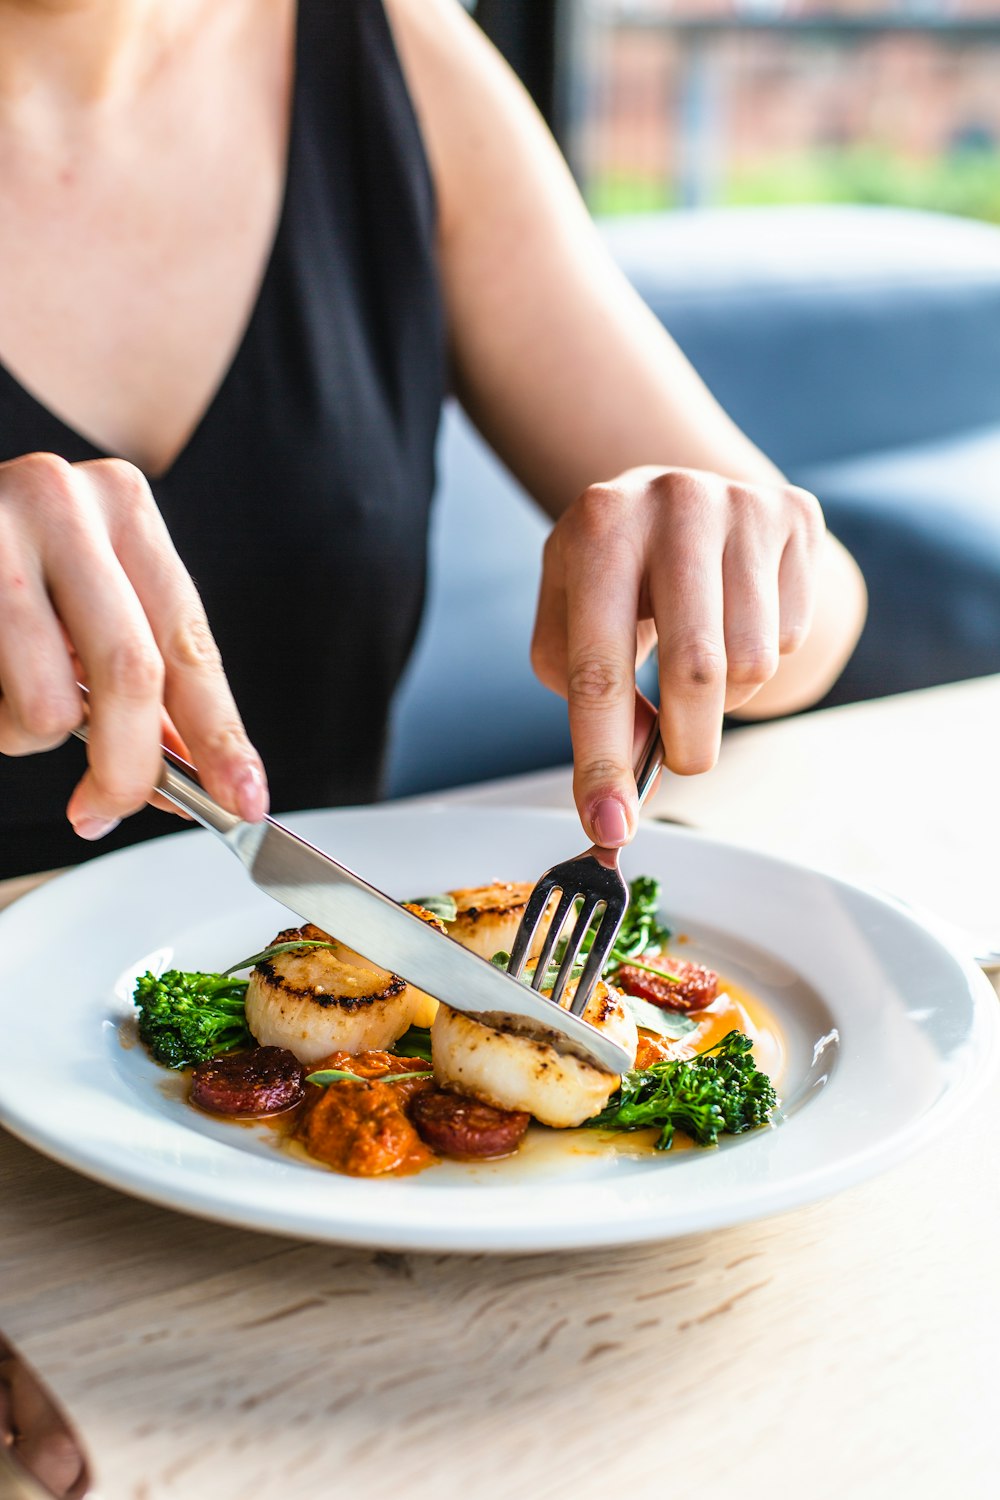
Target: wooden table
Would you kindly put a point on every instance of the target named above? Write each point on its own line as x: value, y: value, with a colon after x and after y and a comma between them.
x: 847, y: 1349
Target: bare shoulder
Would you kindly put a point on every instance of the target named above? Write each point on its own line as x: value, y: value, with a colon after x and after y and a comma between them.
x: 481, y: 130
x: 435, y: 38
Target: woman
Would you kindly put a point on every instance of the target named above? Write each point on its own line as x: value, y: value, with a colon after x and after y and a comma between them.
x: 247, y: 246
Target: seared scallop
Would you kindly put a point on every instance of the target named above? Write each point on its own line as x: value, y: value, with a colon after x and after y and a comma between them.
x: 424, y: 1005
x: 510, y: 1070
x: 489, y: 916
x: 322, y: 1000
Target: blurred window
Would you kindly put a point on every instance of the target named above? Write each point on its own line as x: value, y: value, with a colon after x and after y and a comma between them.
x: 690, y: 102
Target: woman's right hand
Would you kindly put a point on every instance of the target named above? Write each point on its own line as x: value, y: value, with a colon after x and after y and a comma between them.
x: 91, y: 585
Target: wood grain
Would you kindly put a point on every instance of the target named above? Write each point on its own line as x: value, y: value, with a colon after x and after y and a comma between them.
x: 848, y: 1348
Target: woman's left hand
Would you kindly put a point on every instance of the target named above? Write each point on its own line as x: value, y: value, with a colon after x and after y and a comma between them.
x: 719, y: 575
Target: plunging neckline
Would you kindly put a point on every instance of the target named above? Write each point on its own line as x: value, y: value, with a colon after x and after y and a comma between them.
x: 219, y: 391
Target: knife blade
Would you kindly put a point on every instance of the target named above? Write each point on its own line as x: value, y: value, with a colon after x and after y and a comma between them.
x: 318, y: 889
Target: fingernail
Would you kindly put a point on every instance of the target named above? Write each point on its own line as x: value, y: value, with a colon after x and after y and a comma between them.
x: 89, y: 827
x: 251, y: 794
x: 610, y: 823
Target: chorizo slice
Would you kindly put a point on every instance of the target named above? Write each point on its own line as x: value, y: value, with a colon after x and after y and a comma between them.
x: 266, y: 1081
x: 456, y: 1125
x: 693, y: 988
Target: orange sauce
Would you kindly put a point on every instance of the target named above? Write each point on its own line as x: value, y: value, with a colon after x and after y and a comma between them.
x: 733, y: 1009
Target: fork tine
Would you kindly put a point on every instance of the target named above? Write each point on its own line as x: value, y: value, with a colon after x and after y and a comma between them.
x: 556, y: 926
x: 583, y: 921
x: 614, y: 916
x: 525, y: 935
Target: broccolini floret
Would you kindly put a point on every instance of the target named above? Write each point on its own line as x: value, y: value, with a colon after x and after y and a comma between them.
x: 720, y: 1090
x: 188, y: 1018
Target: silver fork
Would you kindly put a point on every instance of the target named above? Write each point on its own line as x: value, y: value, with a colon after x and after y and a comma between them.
x: 594, y: 878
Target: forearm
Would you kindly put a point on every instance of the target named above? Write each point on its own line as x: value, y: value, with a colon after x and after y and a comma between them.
x: 617, y: 393
x: 562, y: 367
x: 593, y: 386
x: 596, y: 387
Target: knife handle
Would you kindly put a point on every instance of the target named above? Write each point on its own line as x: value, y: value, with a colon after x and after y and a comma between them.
x: 180, y: 785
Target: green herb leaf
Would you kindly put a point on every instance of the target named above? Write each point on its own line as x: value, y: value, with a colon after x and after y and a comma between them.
x: 442, y: 906
x: 634, y: 963
x: 414, y: 1043
x: 666, y: 1023
x: 273, y: 952
x: 642, y: 930
x: 338, y: 1075
x: 331, y: 1075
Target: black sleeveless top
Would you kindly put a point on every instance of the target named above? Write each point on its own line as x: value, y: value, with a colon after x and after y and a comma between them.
x: 300, y: 503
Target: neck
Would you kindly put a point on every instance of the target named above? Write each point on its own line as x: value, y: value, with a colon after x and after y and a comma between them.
x: 80, y: 52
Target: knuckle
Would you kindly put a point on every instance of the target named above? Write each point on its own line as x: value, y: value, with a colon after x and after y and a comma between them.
x: 807, y: 511
x: 751, y: 663
x: 12, y: 739
x: 124, y: 480
x: 224, y: 742
x: 792, y: 637
x: 120, y: 789
x: 675, y: 484
x: 192, y: 645
x: 44, y: 468
x: 47, y: 717
x: 691, y: 762
x: 686, y: 495
x: 42, y: 480
x: 132, y: 668
x: 751, y: 503
x: 601, y: 771
x: 596, y: 497
x: 697, y: 662
x: 596, y: 679
x: 600, y: 508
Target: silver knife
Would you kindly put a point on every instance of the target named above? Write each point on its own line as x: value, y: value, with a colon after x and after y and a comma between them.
x: 318, y: 889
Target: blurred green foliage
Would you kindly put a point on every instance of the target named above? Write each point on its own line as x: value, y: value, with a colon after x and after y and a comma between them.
x: 965, y: 182
x: 622, y: 193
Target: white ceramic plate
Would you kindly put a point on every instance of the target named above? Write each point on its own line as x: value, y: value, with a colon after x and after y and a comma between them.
x: 888, y: 1035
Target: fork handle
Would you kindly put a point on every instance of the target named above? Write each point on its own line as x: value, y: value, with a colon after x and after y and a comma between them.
x: 650, y: 762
